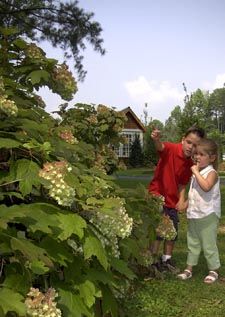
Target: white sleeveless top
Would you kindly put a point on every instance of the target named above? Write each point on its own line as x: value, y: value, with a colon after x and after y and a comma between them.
x: 201, y: 203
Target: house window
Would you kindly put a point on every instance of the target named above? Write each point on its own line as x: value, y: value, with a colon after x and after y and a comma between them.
x: 124, y: 149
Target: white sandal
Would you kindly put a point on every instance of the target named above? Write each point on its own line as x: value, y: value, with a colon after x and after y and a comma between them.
x: 186, y: 274
x: 211, y: 277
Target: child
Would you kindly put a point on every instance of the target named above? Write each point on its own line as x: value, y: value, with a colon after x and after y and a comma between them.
x: 171, y: 176
x: 203, y: 211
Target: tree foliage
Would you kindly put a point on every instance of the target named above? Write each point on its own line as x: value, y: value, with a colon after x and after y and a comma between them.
x: 217, y: 108
x: 172, y: 124
x: 63, y: 24
x: 136, y: 157
x: 203, y: 109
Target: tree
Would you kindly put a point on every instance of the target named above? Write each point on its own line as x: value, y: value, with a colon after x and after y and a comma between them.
x: 217, y: 108
x: 171, y: 129
x: 63, y: 24
x: 195, y: 111
x: 136, y: 154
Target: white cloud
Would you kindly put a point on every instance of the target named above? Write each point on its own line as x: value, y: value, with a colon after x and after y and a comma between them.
x: 217, y: 83
x: 220, y: 81
x: 142, y: 90
x: 160, y: 95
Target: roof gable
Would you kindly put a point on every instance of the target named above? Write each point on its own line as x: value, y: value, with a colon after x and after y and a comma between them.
x: 131, y: 116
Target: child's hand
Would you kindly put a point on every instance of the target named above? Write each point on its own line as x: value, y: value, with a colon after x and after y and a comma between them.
x: 155, y: 135
x: 195, y: 168
x: 181, y: 205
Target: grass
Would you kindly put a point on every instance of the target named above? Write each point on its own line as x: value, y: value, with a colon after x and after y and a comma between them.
x: 170, y: 297
x: 130, y: 178
x: 142, y: 171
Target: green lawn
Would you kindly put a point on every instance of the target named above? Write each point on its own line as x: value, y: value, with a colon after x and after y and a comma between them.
x: 170, y: 297
x: 130, y: 178
x: 142, y: 171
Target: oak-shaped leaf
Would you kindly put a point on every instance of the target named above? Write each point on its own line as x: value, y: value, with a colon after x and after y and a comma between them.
x: 93, y: 246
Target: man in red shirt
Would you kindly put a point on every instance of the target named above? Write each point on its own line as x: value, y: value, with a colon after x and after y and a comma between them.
x: 171, y: 176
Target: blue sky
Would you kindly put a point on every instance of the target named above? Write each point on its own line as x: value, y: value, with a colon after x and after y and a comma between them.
x: 153, y: 46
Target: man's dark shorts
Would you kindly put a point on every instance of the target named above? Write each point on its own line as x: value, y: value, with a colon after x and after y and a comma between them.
x: 173, y: 214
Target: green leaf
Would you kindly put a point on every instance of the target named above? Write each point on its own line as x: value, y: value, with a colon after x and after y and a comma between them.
x: 27, y: 172
x: 93, y: 201
x: 105, y: 277
x: 1, y: 311
x: 57, y: 252
x: 72, y: 180
x: 88, y: 293
x: 16, y: 281
x: 43, y: 220
x: 37, y: 75
x: 93, y: 246
x: 74, y: 304
x: 38, y: 267
x: 36, y: 216
x: 9, y: 143
x: 109, y: 304
x: 12, y: 301
x: 7, y: 214
x: 30, y: 250
x: 71, y: 223
x: 129, y: 247
x: 103, y: 127
x: 9, y: 31
x: 20, y: 43
x: 11, y: 194
x: 121, y: 266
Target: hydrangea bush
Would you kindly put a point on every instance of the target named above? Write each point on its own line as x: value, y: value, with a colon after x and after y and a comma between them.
x: 65, y: 228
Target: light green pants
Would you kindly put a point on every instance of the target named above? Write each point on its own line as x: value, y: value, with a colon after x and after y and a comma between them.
x: 202, y: 235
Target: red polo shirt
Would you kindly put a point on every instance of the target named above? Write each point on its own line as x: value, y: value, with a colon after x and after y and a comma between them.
x: 172, y: 170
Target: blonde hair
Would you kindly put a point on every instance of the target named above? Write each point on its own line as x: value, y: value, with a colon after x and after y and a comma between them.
x: 211, y: 148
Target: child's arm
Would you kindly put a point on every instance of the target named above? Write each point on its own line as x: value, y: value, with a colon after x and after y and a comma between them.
x: 155, y: 135
x: 205, y: 183
x: 182, y: 202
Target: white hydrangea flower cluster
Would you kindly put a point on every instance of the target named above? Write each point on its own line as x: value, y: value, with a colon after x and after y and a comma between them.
x: 100, y: 163
x: 77, y: 249
x: 67, y: 136
x: 101, y: 187
x: 34, y: 52
x: 112, y: 228
x: 110, y: 241
x: 146, y: 257
x: 121, y: 291
x: 166, y: 228
x: 42, y: 305
x: 8, y: 106
x: 63, y: 82
x: 58, y: 188
x: 93, y: 119
x: 161, y: 202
